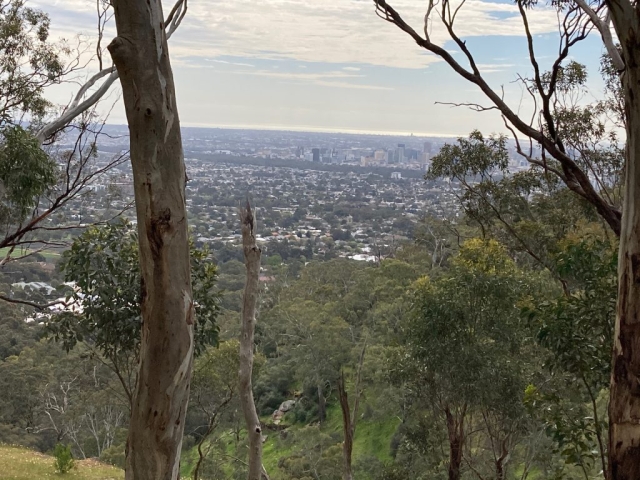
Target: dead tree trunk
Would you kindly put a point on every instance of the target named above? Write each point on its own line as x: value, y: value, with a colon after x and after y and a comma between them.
x: 350, y: 418
x: 166, y: 349
x: 624, y: 406
x: 252, y: 254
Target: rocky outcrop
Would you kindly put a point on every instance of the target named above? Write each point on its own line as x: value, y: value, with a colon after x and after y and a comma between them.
x: 284, y: 407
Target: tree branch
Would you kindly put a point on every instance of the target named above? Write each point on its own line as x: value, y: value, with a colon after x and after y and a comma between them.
x: 76, y: 107
x: 577, y: 180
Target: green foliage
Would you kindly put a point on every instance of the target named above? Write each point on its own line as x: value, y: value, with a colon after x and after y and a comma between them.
x: 462, y: 356
x: 114, y: 455
x: 475, y: 156
x: 29, y: 62
x: 103, y: 264
x: 15, y: 333
x: 566, y: 421
x: 577, y: 328
x: 466, y: 322
x: 26, y: 173
x: 63, y: 459
x: 204, y: 277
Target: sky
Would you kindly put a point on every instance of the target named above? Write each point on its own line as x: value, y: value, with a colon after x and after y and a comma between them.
x: 333, y: 65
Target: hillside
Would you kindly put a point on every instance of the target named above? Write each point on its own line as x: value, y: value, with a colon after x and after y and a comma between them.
x: 22, y: 464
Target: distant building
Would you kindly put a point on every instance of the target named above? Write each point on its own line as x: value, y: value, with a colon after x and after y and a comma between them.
x: 380, y: 155
x: 425, y: 160
x: 367, y: 161
x: 316, y: 154
x: 401, y: 153
x: 392, y: 157
x: 396, y: 175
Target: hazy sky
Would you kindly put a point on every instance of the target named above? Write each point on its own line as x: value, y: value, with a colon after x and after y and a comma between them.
x: 333, y: 64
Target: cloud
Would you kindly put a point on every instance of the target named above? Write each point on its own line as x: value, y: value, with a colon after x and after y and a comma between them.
x: 331, y: 31
x: 351, y: 69
x: 494, y: 67
x: 333, y: 79
x: 237, y: 64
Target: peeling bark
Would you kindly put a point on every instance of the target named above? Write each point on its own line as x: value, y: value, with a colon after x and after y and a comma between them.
x: 252, y: 254
x: 166, y: 350
x: 624, y: 406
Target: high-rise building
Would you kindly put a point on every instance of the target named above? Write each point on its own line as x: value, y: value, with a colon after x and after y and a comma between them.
x: 425, y: 161
x: 401, y: 153
x: 391, y: 157
x: 427, y: 147
x: 316, y: 154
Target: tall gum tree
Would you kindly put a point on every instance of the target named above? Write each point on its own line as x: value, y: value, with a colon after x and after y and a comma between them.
x: 141, y: 57
x: 624, y: 407
x: 577, y: 18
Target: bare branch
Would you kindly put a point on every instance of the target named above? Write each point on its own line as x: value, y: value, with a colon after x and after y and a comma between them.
x: 174, y: 19
x: 604, y: 27
x: 33, y: 304
x: 70, y: 113
x: 76, y: 107
x: 574, y: 31
x: 473, y: 106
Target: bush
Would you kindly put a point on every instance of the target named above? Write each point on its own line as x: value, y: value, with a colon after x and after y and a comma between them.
x: 114, y: 455
x: 63, y: 458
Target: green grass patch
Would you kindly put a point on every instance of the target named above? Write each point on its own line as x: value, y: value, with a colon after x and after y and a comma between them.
x: 18, y: 463
x: 373, y: 438
x: 47, y: 254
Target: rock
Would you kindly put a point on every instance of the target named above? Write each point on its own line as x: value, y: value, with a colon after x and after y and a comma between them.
x: 285, y: 406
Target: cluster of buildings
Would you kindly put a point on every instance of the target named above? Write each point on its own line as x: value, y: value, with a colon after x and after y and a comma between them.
x: 401, y: 156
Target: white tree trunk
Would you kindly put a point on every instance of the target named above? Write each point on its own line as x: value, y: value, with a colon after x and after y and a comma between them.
x: 166, y: 350
x: 252, y: 254
x: 624, y: 405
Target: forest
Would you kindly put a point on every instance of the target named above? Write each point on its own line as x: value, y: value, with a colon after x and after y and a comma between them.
x: 500, y: 343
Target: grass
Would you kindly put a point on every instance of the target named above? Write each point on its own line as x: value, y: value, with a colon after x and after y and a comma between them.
x: 18, y: 463
x: 47, y: 254
x: 373, y: 438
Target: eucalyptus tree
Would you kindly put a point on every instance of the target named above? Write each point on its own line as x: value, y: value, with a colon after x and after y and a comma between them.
x: 140, y: 54
x: 38, y: 175
x: 463, y: 363
x: 140, y: 57
x: 575, y: 328
x: 48, y: 152
x: 252, y: 256
x: 105, y: 314
x: 213, y: 392
x: 573, y: 167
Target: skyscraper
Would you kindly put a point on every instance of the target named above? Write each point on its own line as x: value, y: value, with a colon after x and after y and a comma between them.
x: 316, y: 154
x: 401, y: 153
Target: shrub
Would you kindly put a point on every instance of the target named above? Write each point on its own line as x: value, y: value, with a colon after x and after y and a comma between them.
x: 63, y: 458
